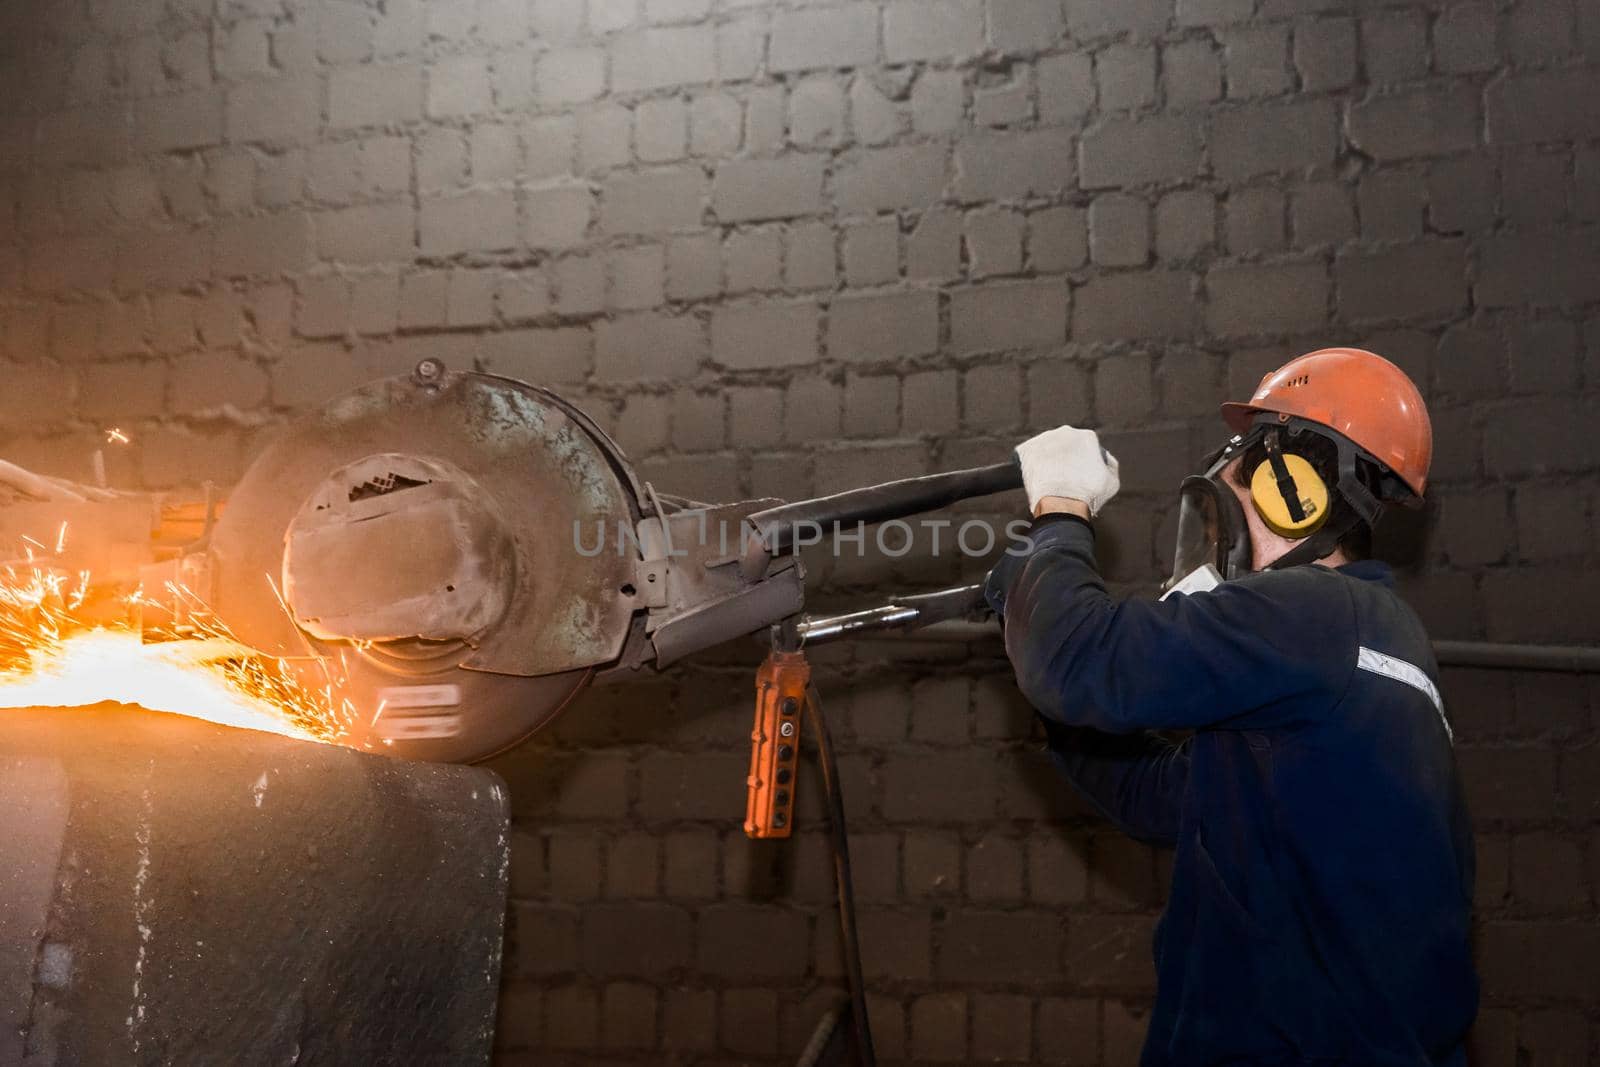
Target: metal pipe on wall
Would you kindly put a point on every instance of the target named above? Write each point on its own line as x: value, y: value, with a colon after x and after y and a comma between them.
x: 1578, y: 659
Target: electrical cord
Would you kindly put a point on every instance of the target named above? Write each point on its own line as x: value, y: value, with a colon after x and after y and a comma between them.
x: 839, y: 840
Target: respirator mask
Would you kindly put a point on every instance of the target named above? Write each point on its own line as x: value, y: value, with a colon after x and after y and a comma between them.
x: 1290, y: 498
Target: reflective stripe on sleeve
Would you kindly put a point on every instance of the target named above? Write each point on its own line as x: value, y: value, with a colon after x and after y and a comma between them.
x: 1410, y: 674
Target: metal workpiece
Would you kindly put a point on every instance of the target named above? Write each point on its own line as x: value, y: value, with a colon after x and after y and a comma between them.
x: 180, y: 892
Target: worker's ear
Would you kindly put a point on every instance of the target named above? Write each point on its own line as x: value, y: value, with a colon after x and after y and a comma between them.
x: 1288, y: 494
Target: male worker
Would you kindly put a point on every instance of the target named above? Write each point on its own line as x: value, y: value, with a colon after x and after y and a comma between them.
x: 1320, y: 898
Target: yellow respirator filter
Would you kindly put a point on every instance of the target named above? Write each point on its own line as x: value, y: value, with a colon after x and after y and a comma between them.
x: 1274, y: 510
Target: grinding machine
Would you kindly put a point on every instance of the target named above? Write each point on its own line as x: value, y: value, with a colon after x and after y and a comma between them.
x: 462, y: 553
x: 452, y: 556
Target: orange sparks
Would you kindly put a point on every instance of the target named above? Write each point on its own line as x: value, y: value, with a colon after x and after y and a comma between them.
x: 52, y: 657
x: 115, y: 436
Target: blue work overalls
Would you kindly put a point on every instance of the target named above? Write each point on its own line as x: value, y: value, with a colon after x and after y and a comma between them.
x: 1321, y: 891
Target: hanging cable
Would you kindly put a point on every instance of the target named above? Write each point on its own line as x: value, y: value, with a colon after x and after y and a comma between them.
x: 839, y: 840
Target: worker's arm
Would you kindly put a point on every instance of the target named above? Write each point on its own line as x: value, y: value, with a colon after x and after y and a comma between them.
x: 1226, y: 656
x: 1136, y: 781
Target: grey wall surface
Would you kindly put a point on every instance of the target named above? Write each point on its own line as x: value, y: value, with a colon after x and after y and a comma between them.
x: 781, y: 248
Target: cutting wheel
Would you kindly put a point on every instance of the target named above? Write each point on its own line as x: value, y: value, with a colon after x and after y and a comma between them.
x: 416, y: 545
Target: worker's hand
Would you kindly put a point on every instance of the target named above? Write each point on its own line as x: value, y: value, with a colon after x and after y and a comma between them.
x: 1070, y: 464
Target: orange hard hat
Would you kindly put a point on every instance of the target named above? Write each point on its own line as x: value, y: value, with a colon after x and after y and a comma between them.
x: 1358, y: 394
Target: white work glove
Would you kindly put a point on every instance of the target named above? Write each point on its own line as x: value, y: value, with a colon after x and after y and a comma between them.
x: 1070, y: 463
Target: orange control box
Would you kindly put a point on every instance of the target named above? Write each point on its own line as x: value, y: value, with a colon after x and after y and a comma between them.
x: 775, y: 744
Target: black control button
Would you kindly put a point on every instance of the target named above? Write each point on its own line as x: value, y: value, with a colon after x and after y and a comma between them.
x: 784, y: 775
x: 785, y: 752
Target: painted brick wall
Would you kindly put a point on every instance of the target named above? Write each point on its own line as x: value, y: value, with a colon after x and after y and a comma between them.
x: 784, y: 248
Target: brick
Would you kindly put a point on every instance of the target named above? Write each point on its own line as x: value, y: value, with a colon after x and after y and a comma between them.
x: 1431, y: 122
x: 1119, y: 230
x: 187, y: 120
x: 993, y: 399
x: 157, y: 259
x: 284, y: 109
x: 1394, y: 48
x: 939, y: 1027
x: 1112, y: 307
x: 1057, y: 239
x: 1541, y: 605
x: 817, y: 112
x: 652, y: 201
x: 1286, y: 137
x: 1538, y: 32
x: 827, y: 37
x: 565, y: 76
x: 957, y: 786
x: 1003, y: 105
x: 1124, y: 152
x: 379, y: 233
x: 1069, y: 1032
x: 871, y: 253
x: 931, y: 29
x: 1024, y: 26
x: 1411, y: 282
x: 1549, y: 106
x: 938, y: 102
x: 979, y: 946
x: 604, y: 138
x: 1540, y: 959
x: 1464, y: 39
x: 1537, y: 268
x: 1470, y: 362
x: 471, y: 222
x: 726, y: 934
x: 1257, y: 61
x: 1544, y: 357
x: 885, y: 179
x: 750, y: 1021
x: 1281, y: 298
x: 632, y: 866
x: 1140, y: 18
x: 1126, y: 77
x: 657, y: 58
x: 1012, y: 165
x: 628, y: 1016
x: 649, y: 345
x: 1008, y: 315
x: 549, y: 355
x: 661, y: 130
x: 269, y: 244
x: 1057, y: 393
x: 635, y: 939
x: 929, y: 404
x: 177, y: 456
x: 1325, y: 53
x: 1533, y: 188
x: 1192, y: 73
x: 1066, y: 88
x: 1002, y: 1027
x: 1110, y: 952
x: 557, y: 216
x: 715, y: 125
x: 751, y: 189
x: 374, y: 95
x: 764, y: 335
x: 994, y: 242
x: 887, y: 326
x: 457, y: 86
